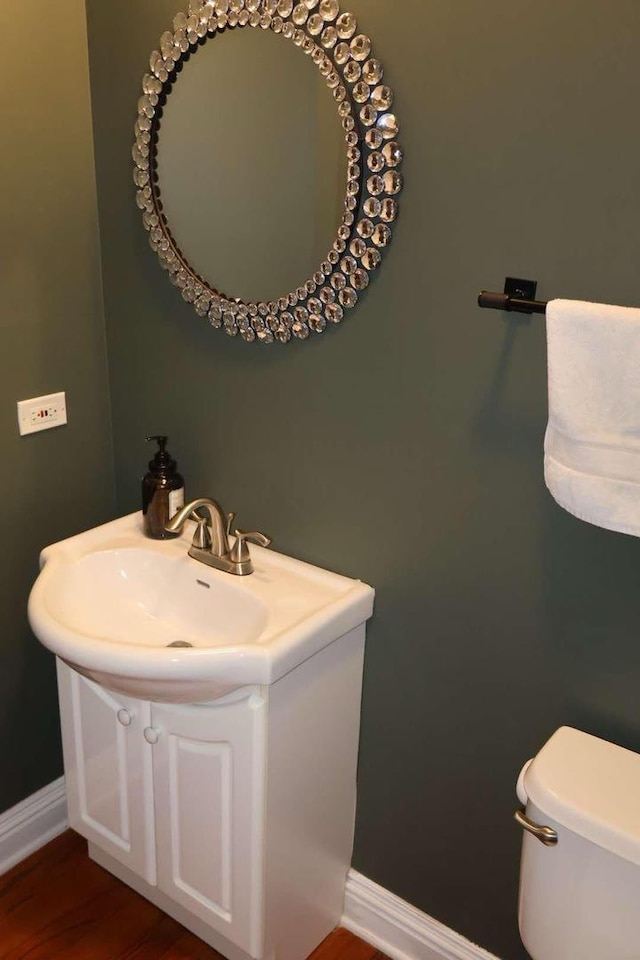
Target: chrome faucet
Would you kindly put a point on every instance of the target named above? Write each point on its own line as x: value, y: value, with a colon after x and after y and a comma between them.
x: 210, y: 543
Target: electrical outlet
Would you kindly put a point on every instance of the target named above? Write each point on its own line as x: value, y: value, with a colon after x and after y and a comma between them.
x: 42, y: 413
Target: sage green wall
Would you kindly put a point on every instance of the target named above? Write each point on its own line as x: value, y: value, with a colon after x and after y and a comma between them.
x: 405, y: 447
x: 52, y: 327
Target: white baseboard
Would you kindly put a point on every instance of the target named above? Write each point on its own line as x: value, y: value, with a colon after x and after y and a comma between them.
x: 32, y: 823
x: 398, y: 929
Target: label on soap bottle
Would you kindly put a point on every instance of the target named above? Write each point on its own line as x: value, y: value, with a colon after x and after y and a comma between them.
x: 176, y: 500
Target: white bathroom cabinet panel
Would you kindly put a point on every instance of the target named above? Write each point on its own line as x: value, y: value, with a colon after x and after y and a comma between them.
x: 312, y: 757
x: 108, y: 768
x: 208, y: 766
x: 253, y: 801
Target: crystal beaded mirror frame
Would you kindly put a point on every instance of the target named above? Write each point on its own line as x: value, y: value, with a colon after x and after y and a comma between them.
x: 364, y: 102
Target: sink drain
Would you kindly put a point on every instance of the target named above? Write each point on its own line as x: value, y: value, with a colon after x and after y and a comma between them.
x: 180, y: 643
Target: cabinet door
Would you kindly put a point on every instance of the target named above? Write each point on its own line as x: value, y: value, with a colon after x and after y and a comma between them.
x: 209, y: 790
x: 108, y: 770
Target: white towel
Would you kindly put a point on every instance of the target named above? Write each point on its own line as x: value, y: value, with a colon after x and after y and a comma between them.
x: 592, y: 443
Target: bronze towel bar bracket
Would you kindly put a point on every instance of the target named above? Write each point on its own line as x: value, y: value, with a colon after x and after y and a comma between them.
x: 518, y: 296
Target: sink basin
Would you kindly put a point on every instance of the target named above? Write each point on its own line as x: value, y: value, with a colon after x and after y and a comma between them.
x: 142, y: 618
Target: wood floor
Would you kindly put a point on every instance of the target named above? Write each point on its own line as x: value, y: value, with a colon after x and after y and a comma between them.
x: 60, y: 904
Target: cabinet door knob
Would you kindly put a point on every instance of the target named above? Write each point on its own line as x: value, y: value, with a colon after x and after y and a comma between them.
x: 151, y: 735
x: 124, y: 717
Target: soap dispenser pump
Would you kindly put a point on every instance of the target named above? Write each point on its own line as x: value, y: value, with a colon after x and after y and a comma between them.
x: 162, y: 492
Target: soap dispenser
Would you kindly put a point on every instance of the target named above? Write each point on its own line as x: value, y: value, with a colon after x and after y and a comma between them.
x: 162, y: 492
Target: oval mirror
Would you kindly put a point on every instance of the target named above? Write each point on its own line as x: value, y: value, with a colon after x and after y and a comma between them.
x: 250, y: 165
x: 267, y: 179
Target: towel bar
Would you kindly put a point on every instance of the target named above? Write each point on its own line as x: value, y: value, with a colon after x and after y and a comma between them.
x: 518, y: 297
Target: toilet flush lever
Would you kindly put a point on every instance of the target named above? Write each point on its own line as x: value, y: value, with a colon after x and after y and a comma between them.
x: 546, y: 835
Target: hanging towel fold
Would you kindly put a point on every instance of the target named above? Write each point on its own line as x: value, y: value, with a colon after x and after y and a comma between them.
x: 592, y: 443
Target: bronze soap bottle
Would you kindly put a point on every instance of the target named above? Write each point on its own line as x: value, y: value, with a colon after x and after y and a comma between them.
x: 162, y: 492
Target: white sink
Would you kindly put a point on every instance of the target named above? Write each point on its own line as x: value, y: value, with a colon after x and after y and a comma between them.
x: 110, y: 602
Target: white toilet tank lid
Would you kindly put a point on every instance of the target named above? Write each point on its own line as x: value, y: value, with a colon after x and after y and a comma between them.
x: 589, y: 786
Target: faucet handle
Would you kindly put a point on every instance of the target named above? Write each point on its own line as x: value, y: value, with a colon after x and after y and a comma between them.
x: 202, y: 533
x: 240, y: 550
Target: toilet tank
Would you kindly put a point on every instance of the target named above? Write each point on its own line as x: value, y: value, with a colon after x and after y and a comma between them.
x: 580, y: 898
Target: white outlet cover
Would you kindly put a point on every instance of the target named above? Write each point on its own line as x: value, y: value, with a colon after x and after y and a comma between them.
x: 42, y: 413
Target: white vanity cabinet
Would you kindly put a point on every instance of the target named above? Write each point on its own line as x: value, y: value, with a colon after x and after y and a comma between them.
x: 174, y: 794
x: 235, y: 816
